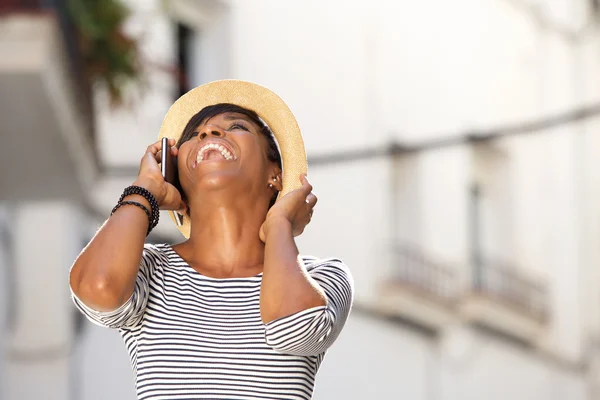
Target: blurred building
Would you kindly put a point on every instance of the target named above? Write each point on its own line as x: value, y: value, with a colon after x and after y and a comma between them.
x: 454, y: 148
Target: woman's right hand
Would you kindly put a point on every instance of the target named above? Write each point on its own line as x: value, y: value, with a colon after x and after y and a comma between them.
x: 150, y: 178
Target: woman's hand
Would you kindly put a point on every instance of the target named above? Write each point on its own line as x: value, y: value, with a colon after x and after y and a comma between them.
x: 150, y: 178
x: 295, y: 208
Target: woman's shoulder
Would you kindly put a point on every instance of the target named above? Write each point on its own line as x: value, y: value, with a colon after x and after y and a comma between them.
x: 330, y: 272
x: 156, y: 253
x: 313, y: 263
x: 157, y: 248
x: 308, y: 259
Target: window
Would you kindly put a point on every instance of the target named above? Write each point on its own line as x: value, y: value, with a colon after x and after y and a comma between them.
x: 187, y: 60
x: 491, y: 208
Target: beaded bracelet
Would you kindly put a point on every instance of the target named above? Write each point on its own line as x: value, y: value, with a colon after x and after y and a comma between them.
x: 148, y: 196
x: 135, y: 203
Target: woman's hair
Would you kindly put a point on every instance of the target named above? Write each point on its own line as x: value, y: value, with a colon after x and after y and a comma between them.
x: 211, y: 111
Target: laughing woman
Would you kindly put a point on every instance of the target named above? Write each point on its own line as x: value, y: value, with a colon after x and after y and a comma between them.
x: 233, y: 312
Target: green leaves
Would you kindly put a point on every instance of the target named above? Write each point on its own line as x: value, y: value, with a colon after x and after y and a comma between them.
x: 111, y: 57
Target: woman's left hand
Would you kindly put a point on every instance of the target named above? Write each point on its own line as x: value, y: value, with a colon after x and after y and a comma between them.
x: 296, y: 207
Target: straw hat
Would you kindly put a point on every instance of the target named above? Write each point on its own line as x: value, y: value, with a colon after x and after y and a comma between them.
x: 269, y: 107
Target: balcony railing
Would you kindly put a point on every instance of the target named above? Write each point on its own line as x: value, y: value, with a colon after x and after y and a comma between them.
x: 506, y: 284
x: 70, y: 39
x: 414, y: 269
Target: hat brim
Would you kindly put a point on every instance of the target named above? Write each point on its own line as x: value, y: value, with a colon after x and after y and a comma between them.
x: 269, y: 107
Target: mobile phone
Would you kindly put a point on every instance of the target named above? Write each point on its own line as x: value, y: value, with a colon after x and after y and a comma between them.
x: 169, y: 170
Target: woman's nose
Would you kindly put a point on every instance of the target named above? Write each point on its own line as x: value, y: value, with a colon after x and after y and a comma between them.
x: 211, y: 130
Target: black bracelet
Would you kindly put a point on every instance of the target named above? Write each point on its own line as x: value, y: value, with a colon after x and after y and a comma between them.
x: 148, y: 196
x: 135, y: 203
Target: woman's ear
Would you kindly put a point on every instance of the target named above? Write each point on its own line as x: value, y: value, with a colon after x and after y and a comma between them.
x: 275, y: 180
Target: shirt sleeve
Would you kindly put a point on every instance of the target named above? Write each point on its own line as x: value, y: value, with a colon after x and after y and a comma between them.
x: 310, y: 332
x: 132, y: 311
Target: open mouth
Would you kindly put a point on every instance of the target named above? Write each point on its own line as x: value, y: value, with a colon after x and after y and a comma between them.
x: 214, y: 152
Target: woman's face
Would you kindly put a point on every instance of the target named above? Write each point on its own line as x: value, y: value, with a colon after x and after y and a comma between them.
x: 225, y: 149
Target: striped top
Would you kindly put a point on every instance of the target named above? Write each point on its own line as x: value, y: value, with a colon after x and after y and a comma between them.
x: 194, y: 337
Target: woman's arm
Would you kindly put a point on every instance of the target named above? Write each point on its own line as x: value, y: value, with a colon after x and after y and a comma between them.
x: 132, y: 310
x: 103, y: 276
x: 286, y: 288
x: 304, y: 310
x: 312, y: 331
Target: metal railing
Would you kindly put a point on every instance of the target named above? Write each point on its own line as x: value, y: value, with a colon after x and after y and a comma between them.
x: 70, y: 39
x: 504, y: 283
x: 412, y: 267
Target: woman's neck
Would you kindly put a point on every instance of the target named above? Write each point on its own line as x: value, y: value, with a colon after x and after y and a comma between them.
x: 224, y: 239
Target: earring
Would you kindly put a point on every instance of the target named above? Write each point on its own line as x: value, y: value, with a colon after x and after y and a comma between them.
x: 270, y: 186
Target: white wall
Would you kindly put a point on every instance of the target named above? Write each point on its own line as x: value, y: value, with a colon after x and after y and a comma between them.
x: 351, y: 220
x: 377, y: 359
x: 45, y: 241
x: 588, y: 147
x: 101, y: 358
x: 312, y: 54
x: 417, y: 70
x: 373, y: 359
x: 4, y: 292
x: 445, y: 182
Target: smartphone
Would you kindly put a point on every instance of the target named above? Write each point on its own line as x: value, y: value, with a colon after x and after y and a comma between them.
x: 169, y: 170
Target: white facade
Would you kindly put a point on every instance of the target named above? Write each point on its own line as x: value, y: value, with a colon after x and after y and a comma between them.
x: 361, y: 75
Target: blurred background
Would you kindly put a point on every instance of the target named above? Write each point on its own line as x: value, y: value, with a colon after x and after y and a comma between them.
x: 454, y: 147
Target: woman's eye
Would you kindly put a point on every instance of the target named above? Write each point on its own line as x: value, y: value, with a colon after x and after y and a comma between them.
x: 238, y: 126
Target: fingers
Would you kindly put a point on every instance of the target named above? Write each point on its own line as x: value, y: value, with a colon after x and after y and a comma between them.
x: 306, y: 186
x: 173, y: 147
x: 183, y: 207
x: 154, y: 150
x: 173, y: 199
x: 311, y: 200
x: 174, y: 151
x: 155, y: 147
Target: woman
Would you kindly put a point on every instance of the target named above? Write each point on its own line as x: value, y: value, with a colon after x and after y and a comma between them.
x: 233, y: 312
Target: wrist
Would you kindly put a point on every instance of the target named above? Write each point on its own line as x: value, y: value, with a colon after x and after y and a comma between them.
x: 144, y: 198
x: 149, y: 185
x: 140, y: 199
x: 277, y: 225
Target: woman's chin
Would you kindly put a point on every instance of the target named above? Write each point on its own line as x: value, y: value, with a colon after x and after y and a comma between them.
x: 215, y: 180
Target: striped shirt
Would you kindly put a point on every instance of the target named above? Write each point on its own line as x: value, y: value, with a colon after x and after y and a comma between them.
x: 194, y: 337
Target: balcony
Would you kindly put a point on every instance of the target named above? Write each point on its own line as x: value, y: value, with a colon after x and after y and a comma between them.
x: 419, y: 290
x: 503, y: 298
x: 45, y: 104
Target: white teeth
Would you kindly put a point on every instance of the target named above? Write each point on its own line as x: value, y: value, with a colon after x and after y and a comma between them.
x: 213, y: 146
